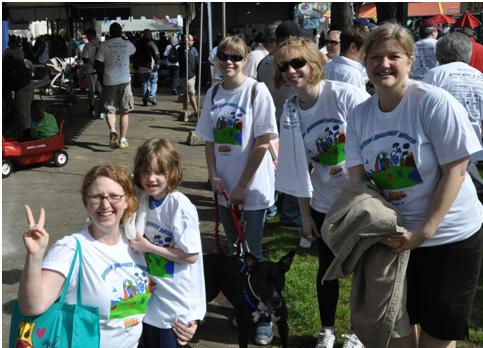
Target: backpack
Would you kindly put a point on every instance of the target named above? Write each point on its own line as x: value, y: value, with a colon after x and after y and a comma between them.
x: 173, y: 54
x: 274, y: 143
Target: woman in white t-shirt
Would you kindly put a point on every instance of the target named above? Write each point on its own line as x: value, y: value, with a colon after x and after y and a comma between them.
x: 237, y: 123
x: 313, y: 127
x: 414, y: 141
x: 109, y: 265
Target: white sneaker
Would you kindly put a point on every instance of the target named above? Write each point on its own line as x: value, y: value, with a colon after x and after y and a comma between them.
x: 325, y: 339
x: 351, y: 341
x: 305, y: 242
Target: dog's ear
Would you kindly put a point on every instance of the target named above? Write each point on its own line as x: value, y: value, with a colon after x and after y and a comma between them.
x: 286, y: 261
x: 250, y: 260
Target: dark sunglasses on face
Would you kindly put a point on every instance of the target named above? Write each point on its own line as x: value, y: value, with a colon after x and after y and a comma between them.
x: 331, y: 42
x: 232, y: 57
x: 295, y: 63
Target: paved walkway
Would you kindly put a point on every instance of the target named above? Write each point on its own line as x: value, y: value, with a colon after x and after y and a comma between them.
x: 57, y: 190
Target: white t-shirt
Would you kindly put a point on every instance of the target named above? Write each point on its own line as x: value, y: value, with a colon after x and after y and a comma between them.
x: 323, y: 128
x: 216, y: 73
x: 465, y: 83
x: 89, y: 52
x: 346, y: 70
x: 279, y: 95
x: 254, y: 58
x: 402, y: 150
x: 179, y: 293
x: 232, y: 124
x: 115, y: 54
x: 114, y: 279
x: 424, y: 57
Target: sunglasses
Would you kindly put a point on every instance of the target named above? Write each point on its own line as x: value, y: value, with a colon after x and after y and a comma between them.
x: 232, y: 57
x: 295, y: 63
x: 331, y: 42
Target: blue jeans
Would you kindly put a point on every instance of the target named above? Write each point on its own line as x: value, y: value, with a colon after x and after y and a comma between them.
x: 255, y: 220
x: 154, y: 337
x: 149, y: 83
x: 174, y: 77
x: 290, y: 213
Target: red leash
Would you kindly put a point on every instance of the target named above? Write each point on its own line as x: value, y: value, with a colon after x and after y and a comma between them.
x: 236, y: 216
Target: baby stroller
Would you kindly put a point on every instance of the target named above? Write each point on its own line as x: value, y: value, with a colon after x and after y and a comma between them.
x: 61, y: 72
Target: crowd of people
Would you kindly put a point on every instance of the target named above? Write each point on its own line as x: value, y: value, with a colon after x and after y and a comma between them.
x: 372, y: 104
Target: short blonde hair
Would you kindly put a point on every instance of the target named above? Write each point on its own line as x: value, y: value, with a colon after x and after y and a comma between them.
x: 117, y: 174
x: 234, y: 44
x: 159, y: 156
x: 389, y: 31
x: 298, y: 47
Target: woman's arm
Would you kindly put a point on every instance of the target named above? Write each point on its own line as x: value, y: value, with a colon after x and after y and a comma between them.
x: 308, y: 224
x: 38, y: 288
x: 452, y: 177
x: 357, y: 174
x: 215, y: 180
x: 256, y: 156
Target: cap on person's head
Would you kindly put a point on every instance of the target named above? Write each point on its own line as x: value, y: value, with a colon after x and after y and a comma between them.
x: 430, y: 23
x: 363, y: 22
x: 288, y: 28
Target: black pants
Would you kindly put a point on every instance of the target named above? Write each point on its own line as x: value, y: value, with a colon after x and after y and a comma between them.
x: 328, y: 293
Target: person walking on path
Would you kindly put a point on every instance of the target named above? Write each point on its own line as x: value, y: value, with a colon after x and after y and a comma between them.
x: 188, y: 85
x: 425, y: 49
x: 88, y: 56
x: 117, y: 95
x: 146, y: 61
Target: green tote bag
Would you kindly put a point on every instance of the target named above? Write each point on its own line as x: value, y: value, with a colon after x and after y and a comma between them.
x: 62, y: 325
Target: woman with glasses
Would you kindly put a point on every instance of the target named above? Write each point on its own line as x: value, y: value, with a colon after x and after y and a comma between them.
x: 115, y: 275
x: 312, y: 133
x: 237, y: 123
x: 414, y: 141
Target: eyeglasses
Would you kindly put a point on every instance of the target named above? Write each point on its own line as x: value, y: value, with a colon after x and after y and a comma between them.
x: 232, y: 57
x: 295, y: 63
x: 111, y: 197
x: 332, y: 42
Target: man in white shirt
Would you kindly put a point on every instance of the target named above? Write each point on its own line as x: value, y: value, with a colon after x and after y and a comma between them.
x: 347, y: 67
x: 255, y: 57
x: 114, y: 56
x: 332, y: 44
x: 462, y: 81
x: 425, y: 49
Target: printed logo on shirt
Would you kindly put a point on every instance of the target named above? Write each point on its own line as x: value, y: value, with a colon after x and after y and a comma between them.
x: 130, y: 296
x: 159, y: 266
x: 228, y: 128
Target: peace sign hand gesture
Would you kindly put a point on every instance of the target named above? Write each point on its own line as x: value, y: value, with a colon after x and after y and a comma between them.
x: 36, y: 237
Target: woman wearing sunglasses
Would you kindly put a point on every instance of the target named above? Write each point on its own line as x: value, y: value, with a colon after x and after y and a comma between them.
x: 428, y: 137
x: 237, y: 123
x: 312, y: 132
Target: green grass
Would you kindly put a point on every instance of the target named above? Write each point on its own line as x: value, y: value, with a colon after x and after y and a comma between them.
x: 301, y: 296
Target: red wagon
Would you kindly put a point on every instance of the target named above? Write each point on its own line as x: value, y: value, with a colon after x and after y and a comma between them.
x: 33, y: 151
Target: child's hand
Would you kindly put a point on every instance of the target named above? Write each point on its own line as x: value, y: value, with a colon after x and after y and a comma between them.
x: 140, y: 244
x: 184, y: 333
x: 216, y: 184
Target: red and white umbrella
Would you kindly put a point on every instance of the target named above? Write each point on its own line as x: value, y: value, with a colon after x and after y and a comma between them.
x: 467, y: 21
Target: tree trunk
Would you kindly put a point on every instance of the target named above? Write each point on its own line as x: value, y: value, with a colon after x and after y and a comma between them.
x: 391, y: 11
x: 340, y: 15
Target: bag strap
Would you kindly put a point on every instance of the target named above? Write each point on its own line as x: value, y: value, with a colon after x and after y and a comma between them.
x: 78, y: 253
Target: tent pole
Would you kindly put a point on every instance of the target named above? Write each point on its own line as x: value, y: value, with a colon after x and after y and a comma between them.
x: 223, y: 7
x: 210, y: 25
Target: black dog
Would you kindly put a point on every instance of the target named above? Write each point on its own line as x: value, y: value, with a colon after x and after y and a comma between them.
x: 253, y: 288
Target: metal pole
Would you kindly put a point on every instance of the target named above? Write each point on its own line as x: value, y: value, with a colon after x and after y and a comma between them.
x: 223, y: 17
x: 199, y: 60
x: 186, y: 97
x: 210, y: 29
